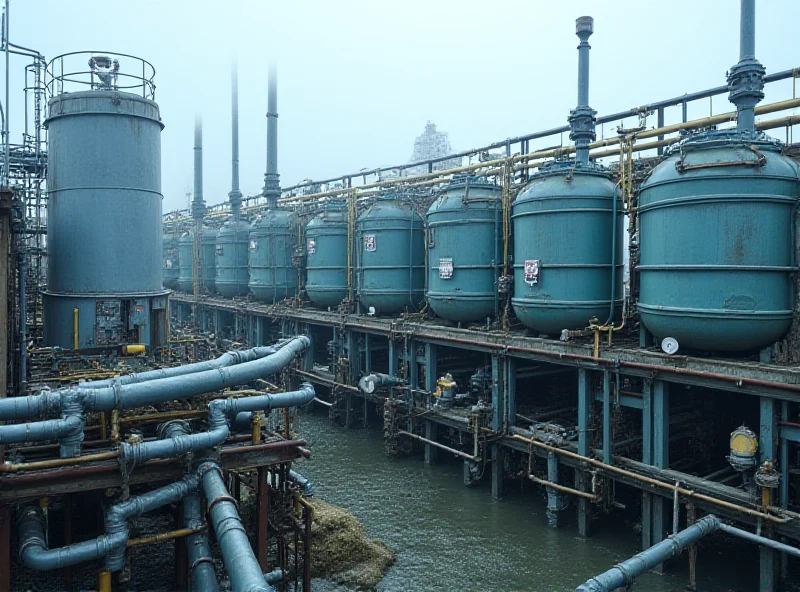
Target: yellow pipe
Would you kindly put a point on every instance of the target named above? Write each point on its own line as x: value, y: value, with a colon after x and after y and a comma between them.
x: 104, y: 581
x: 75, y: 328
x: 650, y: 481
x: 58, y: 462
x: 164, y: 536
x: 133, y: 349
x: 436, y: 177
x: 256, y: 425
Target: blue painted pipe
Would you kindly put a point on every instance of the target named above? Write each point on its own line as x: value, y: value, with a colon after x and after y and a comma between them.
x: 627, y: 571
x: 613, y: 257
x: 51, y: 429
x: 274, y: 577
x: 303, y: 482
x: 129, y: 396
x: 33, y: 549
x: 201, y: 564
x: 266, y: 402
x: 226, y: 359
x: 178, y: 441
x: 237, y: 554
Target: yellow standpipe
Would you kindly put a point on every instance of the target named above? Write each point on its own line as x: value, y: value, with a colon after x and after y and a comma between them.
x: 74, y: 328
x: 104, y: 581
x: 256, y: 423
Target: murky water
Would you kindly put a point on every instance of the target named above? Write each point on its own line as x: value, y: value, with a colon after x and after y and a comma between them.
x: 451, y: 537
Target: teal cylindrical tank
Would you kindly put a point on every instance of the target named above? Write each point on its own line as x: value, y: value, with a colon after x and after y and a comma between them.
x: 185, y: 255
x: 207, y: 253
x: 172, y: 264
x: 231, y: 258
x: 326, y: 256
x: 563, y: 226
x: 391, y: 256
x: 464, y: 249
x: 273, y: 275
x: 716, y: 223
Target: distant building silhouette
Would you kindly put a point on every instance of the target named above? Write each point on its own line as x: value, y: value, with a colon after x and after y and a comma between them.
x: 431, y: 144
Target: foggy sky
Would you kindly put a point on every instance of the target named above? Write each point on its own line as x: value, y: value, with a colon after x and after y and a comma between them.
x: 358, y: 79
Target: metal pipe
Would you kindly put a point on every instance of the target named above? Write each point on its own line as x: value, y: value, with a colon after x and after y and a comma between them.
x: 178, y: 441
x: 23, y: 318
x: 759, y: 540
x: 582, y: 118
x: 235, y: 196
x: 435, y: 444
x: 624, y: 573
x: 164, y: 536
x: 303, y: 482
x: 272, y: 188
x: 75, y: 342
x: 266, y: 402
x: 610, y: 320
x: 237, y: 555
x: 6, y: 136
x: 50, y: 429
x: 649, y: 480
x: 275, y: 576
x: 201, y: 564
x: 746, y: 78
x: 57, y: 462
x: 197, y: 198
x: 133, y: 395
x: 33, y: 549
x: 227, y: 359
x: 747, y: 30
x: 262, y: 447
x: 590, y: 496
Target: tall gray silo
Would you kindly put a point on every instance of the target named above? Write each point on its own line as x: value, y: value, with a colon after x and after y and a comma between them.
x: 104, y: 232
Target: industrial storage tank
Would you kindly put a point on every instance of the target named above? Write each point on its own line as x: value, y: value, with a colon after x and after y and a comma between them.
x: 391, y: 256
x: 207, y: 253
x: 564, y: 225
x: 465, y: 232
x: 568, y: 222
x: 716, y: 222
x: 273, y: 275
x: 326, y: 255
x: 104, y: 231
x: 231, y: 258
x: 172, y: 265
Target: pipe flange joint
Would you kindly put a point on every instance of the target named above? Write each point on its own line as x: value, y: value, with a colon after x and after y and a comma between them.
x: 173, y: 428
x: 746, y: 83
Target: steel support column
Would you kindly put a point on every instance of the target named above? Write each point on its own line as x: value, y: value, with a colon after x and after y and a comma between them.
x: 511, y: 391
x: 768, y: 431
x: 392, y: 357
x: 431, y: 452
x: 367, y: 354
x: 585, y: 397
x: 662, y: 510
x: 607, y: 448
x: 431, y: 371
x: 5, y: 547
x: 496, y: 451
x: 647, y: 458
x: 553, y: 496
x: 262, y: 519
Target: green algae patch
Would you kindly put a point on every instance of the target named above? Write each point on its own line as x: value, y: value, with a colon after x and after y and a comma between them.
x: 341, y: 551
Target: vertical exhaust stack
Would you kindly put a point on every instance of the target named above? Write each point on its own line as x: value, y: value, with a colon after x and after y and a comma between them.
x: 235, y: 196
x: 746, y: 79
x: 198, y: 204
x: 272, y: 187
x: 582, y: 117
x: 198, y: 210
